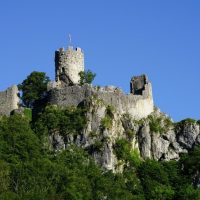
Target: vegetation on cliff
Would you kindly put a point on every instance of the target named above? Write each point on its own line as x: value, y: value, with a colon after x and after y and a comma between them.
x: 31, y: 170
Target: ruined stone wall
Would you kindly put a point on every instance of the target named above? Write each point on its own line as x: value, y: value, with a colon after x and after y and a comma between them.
x: 138, y: 106
x: 9, y: 100
x: 65, y: 90
x: 68, y: 65
x: 137, y: 84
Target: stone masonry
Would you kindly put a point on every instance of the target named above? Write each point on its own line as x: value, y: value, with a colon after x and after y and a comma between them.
x: 65, y: 91
x: 9, y: 100
x: 68, y: 64
x: 138, y: 106
x: 137, y: 84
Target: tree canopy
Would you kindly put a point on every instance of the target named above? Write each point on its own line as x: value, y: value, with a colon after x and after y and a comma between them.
x: 30, y: 169
x: 86, y: 77
x: 33, y: 88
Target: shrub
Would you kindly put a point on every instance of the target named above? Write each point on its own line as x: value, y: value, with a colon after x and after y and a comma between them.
x: 130, y: 133
x: 28, y: 113
x: 168, y: 122
x: 110, y: 110
x: 106, y: 122
x: 155, y: 124
x: 189, y: 121
x: 92, y: 134
x: 97, y: 146
x: 69, y: 120
x: 135, y: 159
x: 122, y: 149
x: 86, y: 77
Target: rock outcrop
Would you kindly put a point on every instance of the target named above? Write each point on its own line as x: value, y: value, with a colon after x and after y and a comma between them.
x: 155, y: 137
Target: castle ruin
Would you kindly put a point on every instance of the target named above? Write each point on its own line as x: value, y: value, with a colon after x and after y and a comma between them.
x: 66, y: 91
x: 68, y: 64
x: 9, y: 100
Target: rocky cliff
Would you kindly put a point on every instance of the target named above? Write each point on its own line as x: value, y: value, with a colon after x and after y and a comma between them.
x: 110, y: 136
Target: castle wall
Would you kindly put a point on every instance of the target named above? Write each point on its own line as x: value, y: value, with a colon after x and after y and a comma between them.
x: 9, y: 100
x: 138, y: 106
x: 69, y: 63
x: 65, y: 91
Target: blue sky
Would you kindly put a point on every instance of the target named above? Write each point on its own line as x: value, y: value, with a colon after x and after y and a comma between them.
x: 119, y: 38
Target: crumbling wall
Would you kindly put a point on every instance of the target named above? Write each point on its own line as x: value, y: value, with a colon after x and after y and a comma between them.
x: 138, y: 106
x: 137, y: 84
x: 9, y: 100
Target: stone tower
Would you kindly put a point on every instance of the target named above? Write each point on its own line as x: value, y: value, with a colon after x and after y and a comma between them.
x: 68, y: 64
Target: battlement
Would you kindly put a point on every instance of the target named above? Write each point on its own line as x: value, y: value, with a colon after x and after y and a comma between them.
x: 65, y: 91
x: 70, y: 48
x: 68, y: 64
x: 9, y: 100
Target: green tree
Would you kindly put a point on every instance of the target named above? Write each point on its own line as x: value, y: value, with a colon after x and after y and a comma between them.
x: 33, y: 88
x: 68, y: 120
x: 122, y: 149
x: 155, y: 181
x: 191, y: 162
x: 17, y: 140
x: 190, y: 165
x: 86, y: 77
x: 4, y: 176
x: 188, y: 192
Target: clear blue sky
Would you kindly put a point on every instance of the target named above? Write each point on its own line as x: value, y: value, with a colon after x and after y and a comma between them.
x: 119, y: 38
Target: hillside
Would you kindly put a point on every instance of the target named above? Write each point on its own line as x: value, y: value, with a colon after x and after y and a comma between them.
x: 32, y: 167
x: 67, y: 139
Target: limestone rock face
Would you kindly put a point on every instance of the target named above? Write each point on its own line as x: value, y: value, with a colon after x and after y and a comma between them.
x: 145, y: 141
x: 56, y: 141
x: 155, y: 137
x: 187, y: 135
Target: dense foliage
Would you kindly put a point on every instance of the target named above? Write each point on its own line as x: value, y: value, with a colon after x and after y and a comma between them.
x: 33, y: 88
x: 27, y: 171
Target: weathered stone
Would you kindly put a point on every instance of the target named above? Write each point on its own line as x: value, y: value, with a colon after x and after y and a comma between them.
x: 56, y: 141
x: 187, y: 135
x: 138, y: 106
x: 68, y: 65
x: 9, y: 100
x: 100, y: 141
x: 159, y: 147
x: 144, y: 139
x: 129, y: 118
x: 137, y: 85
x: 197, y: 142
